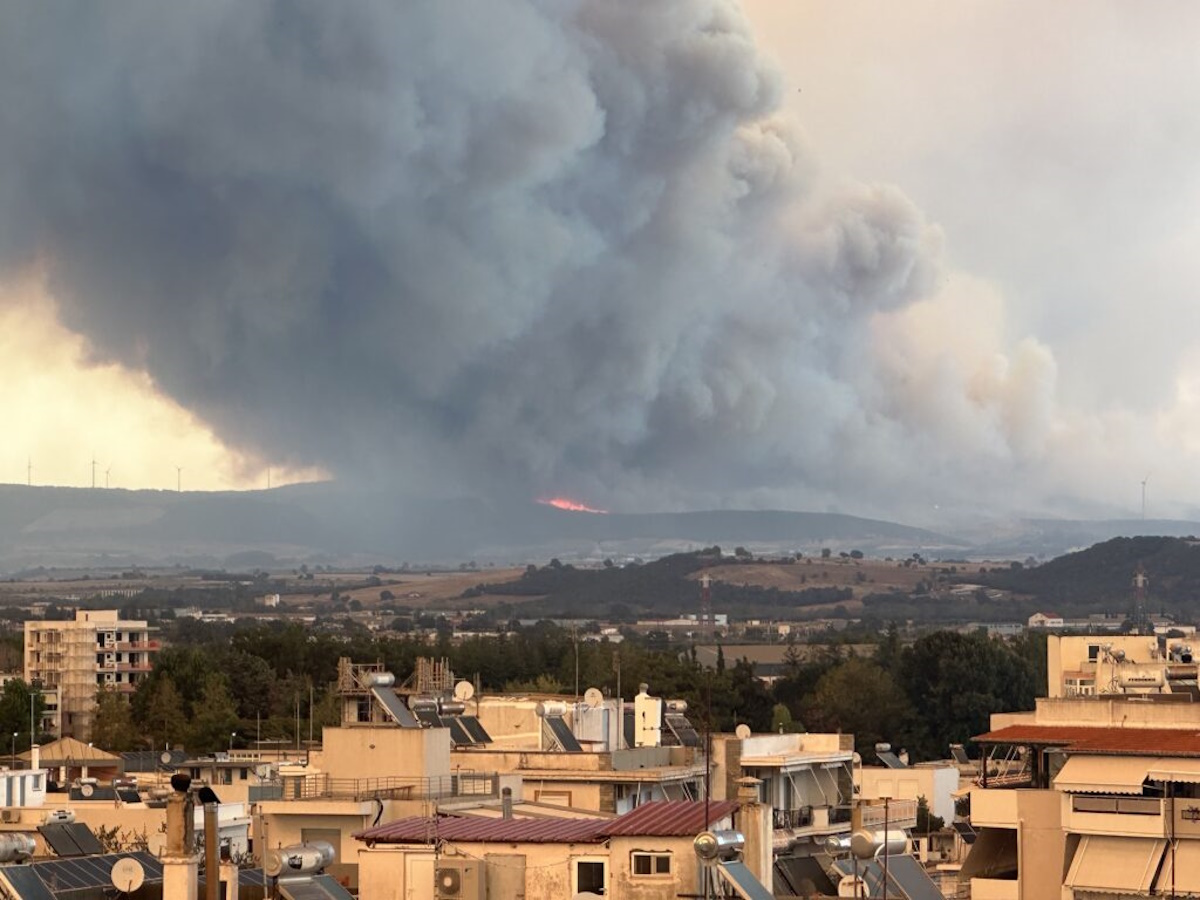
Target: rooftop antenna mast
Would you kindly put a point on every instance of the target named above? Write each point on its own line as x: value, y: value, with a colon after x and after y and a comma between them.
x: 93, y: 471
x: 179, y: 479
x: 706, y: 615
x: 106, y: 471
x: 29, y: 472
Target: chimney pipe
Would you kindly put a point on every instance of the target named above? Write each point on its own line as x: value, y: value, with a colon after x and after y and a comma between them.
x: 506, y: 803
x: 212, y: 863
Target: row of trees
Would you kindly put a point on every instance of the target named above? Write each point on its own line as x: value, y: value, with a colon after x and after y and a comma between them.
x: 221, y: 684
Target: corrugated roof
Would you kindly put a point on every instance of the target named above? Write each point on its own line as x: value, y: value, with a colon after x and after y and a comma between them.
x: 662, y: 818
x: 1084, y: 739
x: 669, y: 818
x: 421, y: 830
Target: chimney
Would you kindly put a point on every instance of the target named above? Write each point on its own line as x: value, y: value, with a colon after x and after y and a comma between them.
x: 755, y: 822
x: 506, y: 803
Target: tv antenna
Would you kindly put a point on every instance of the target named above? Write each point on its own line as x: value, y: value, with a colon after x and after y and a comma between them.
x: 179, y: 479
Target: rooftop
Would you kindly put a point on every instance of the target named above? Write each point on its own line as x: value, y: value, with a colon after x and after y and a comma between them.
x: 663, y: 818
x: 1110, y: 740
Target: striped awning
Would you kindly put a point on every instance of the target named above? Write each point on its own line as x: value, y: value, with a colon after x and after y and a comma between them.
x: 1104, y: 774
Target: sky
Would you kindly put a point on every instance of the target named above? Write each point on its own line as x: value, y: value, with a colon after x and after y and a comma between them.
x: 916, y: 260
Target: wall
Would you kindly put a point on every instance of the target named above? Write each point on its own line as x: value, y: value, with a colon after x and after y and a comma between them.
x: 1041, y: 844
x: 935, y: 783
x: 382, y: 752
x: 624, y: 884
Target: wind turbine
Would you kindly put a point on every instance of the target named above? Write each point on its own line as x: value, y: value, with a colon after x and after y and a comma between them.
x: 1144, y: 480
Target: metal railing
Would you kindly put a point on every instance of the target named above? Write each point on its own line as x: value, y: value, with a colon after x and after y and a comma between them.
x: 898, y: 812
x: 793, y: 818
x: 442, y: 787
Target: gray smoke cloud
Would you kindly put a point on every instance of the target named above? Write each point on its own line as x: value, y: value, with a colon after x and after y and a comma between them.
x: 523, y: 246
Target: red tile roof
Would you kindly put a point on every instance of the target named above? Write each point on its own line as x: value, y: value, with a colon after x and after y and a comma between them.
x: 1117, y: 741
x: 663, y: 818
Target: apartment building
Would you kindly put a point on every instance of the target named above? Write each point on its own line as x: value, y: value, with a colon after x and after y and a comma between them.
x: 74, y: 659
x: 1087, y: 665
x: 1087, y: 797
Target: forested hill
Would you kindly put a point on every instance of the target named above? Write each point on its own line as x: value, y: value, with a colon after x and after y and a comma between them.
x: 661, y: 587
x: 1101, y: 577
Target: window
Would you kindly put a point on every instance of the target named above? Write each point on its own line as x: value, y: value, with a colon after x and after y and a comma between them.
x: 1093, y: 652
x: 650, y: 863
x: 589, y: 876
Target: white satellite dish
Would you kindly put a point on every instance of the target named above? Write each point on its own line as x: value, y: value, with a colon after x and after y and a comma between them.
x: 165, y: 757
x: 127, y: 875
x: 742, y: 731
x: 273, y: 863
x: 87, y: 790
x: 464, y: 691
x: 593, y: 697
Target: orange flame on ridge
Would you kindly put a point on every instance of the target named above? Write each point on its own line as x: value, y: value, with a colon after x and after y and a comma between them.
x: 570, y: 505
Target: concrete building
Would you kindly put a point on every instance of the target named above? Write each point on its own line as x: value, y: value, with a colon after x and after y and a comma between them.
x: 1086, y: 665
x: 74, y: 659
x: 1088, y: 797
x: 937, y: 782
x: 645, y: 854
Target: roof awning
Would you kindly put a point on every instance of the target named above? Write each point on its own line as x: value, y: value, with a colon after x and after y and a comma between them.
x: 1180, y: 771
x: 1104, y: 774
x: 1115, y: 864
x: 1180, y: 870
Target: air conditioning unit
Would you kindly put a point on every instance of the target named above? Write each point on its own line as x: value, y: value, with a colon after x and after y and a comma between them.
x: 460, y: 879
x: 10, y: 816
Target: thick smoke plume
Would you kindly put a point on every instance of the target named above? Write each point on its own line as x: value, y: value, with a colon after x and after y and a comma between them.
x: 562, y: 247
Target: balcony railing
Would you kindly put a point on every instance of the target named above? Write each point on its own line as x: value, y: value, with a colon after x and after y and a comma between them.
x: 443, y: 787
x: 793, y: 818
x: 896, y: 813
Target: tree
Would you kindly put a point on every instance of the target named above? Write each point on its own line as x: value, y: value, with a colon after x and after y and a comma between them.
x: 926, y: 822
x: 860, y: 698
x: 15, y: 708
x: 215, y: 717
x: 159, y: 711
x: 112, y: 727
x: 957, y: 681
x: 826, y: 553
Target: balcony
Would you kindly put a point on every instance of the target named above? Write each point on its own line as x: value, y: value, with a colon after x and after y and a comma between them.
x: 442, y: 787
x: 994, y: 807
x: 1123, y: 815
x: 792, y: 818
x: 898, y: 814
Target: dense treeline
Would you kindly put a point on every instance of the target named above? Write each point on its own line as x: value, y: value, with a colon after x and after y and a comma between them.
x: 221, y: 684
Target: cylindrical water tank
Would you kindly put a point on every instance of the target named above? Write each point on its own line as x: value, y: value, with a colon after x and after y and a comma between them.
x: 865, y: 842
x: 711, y: 845
x: 551, y: 708
x: 380, y: 679
x: 15, y: 847
x: 675, y: 707
x: 452, y: 707
x: 299, y: 859
x: 422, y: 703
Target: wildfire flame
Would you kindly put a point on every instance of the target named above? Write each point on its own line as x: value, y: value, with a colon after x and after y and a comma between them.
x: 569, y: 504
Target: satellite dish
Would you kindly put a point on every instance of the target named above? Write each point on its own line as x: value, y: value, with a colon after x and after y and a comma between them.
x: 165, y: 757
x: 127, y: 875
x: 593, y: 697
x: 87, y: 790
x: 464, y: 691
x: 742, y: 731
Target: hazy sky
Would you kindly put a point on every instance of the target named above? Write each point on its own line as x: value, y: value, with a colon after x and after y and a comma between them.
x: 892, y: 259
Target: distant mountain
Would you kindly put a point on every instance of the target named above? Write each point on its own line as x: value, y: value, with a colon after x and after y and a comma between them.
x: 1100, y: 578
x: 78, y: 526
